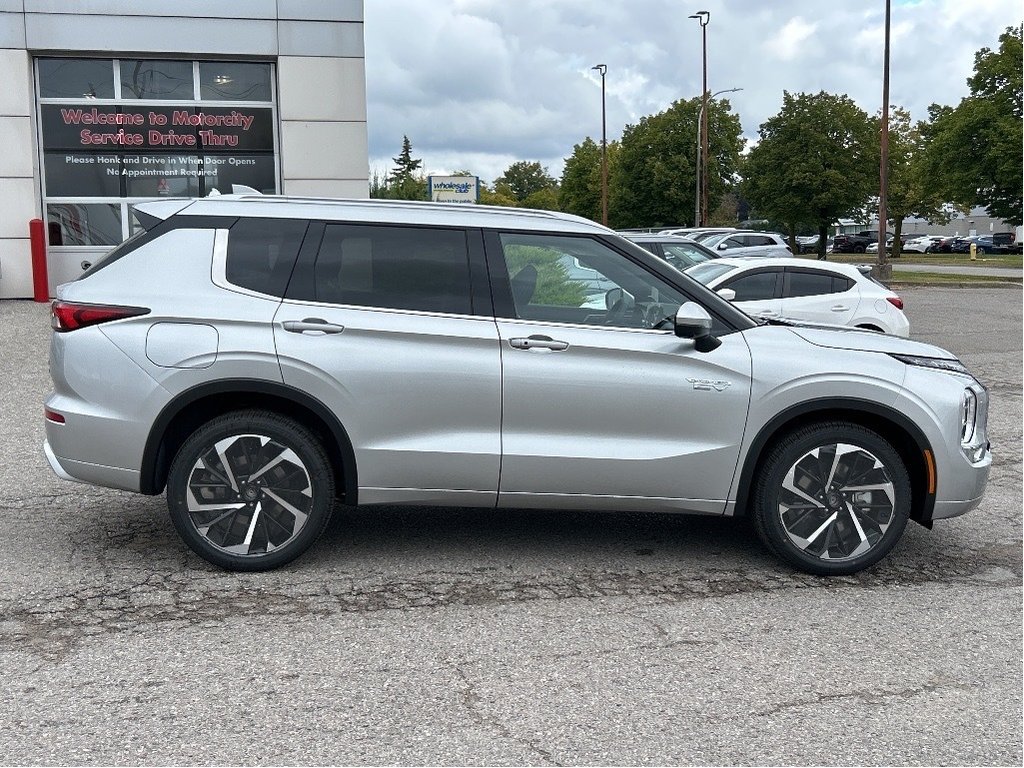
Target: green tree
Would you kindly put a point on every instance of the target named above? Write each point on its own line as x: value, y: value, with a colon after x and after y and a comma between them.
x: 814, y: 163
x: 654, y: 173
x: 523, y: 178
x: 580, y: 189
x: 404, y: 183
x: 974, y: 153
x: 543, y: 199
x: 501, y: 198
x: 911, y: 191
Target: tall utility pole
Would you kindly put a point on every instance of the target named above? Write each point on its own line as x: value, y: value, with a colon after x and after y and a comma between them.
x: 603, y: 69
x: 884, y: 267
x: 703, y: 17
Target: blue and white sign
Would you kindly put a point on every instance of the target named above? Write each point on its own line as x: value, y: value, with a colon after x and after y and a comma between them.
x: 454, y: 189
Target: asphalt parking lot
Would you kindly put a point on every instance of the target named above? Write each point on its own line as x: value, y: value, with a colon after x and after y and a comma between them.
x: 475, y: 636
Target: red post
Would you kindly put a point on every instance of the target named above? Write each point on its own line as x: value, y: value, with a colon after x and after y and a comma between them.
x: 40, y: 279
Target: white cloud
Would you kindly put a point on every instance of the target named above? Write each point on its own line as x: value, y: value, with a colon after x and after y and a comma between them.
x: 786, y: 44
x: 482, y: 83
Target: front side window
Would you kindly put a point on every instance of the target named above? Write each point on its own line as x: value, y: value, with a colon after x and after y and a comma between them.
x: 261, y: 253
x: 415, y: 268
x: 579, y: 280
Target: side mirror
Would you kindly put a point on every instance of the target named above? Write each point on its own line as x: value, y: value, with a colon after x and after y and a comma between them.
x: 693, y: 322
x: 722, y: 246
x: 727, y: 293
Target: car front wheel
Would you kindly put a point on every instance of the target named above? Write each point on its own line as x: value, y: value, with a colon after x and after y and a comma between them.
x: 250, y: 490
x: 831, y: 498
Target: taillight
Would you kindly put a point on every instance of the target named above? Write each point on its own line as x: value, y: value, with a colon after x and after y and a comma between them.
x: 68, y: 316
x: 896, y: 301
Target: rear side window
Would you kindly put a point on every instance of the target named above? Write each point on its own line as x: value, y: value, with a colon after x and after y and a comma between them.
x: 841, y: 284
x: 808, y: 284
x: 758, y: 286
x: 416, y: 268
x: 261, y: 253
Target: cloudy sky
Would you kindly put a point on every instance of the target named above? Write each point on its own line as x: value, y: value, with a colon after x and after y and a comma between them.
x: 480, y: 84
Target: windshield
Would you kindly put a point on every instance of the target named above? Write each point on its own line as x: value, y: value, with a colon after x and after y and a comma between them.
x: 681, y: 255
x: 712, y: 240
x: 708, y: 271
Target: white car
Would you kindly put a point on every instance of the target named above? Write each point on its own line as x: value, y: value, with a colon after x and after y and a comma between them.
x: 747, y: 244
x: 805, y: 291
x: 922, y: 244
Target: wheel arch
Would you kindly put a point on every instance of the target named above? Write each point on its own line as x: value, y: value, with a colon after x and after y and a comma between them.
x: 908, y: 440
x: 193, y: 407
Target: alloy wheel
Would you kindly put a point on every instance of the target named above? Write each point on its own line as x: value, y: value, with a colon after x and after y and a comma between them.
x: 836, y: 502
x: 249, y: 495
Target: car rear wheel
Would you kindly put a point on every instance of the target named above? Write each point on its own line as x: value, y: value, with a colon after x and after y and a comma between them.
x: 250, y: 490
x: 858, y: 249
x: 832, y: 498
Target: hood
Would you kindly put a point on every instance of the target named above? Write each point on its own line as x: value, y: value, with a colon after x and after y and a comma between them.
x: 843, y: 337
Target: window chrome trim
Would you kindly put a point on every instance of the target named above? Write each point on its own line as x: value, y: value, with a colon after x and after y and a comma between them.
x: 388, y: 310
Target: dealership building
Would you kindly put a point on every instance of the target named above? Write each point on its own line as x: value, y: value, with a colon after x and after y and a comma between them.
x: 107, y: 103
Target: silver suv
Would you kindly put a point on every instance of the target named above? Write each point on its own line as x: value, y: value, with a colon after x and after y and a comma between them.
x: 262, y: 358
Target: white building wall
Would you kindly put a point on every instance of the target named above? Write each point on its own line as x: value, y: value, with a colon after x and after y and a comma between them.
x: 317, y: 46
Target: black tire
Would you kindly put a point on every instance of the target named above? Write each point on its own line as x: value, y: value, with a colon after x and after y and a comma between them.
x: 859, y: 249
x: 781, y: 517
x: 257, y: 525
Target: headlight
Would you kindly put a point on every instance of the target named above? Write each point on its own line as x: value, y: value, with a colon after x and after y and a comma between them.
x: 939, y: 363
x: 968, y: 417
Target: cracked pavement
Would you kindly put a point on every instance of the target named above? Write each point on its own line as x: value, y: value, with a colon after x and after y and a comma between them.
x: 447, y: 636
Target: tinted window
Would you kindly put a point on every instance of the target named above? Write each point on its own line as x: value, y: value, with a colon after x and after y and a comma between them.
x: 261, y: 253
x: 841, y: 284
x: 394, y: 267
x: 156, y: 79
x: 754, y: 287
x: 736, y: 241
x: 76, y: 78
x: 579, y: 280
x: 234, y: 81
x: 808, y: 284
x: 760, y: 240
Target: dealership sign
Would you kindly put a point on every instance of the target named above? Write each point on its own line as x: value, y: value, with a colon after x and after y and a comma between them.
x: 178, y: 150
x: 454, y: 189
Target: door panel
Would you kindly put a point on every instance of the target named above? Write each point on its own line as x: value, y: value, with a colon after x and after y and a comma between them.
x: 626, y: 415
x: 419, y: 395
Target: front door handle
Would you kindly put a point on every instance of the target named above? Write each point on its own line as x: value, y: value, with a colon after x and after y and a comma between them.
x: 840, y: 308
x: 312, y: 325
x: 538, y: 342
x: 767, y: 313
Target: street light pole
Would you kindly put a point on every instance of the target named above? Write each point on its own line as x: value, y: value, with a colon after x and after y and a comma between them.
x: 703, y: 17
x: 884, y: 267
x: 700, y: 122
x: 603, y: 69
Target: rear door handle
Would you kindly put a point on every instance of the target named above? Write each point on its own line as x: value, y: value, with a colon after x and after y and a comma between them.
x: 538, y: 342
x: 312, y: 325
x: 767, y: 313
x: 840, y: 308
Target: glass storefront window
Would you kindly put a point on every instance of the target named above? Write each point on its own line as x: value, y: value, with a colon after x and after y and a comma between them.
x: 83, y: 224
x: 104, y: 149
x: 234, y: 81
x: 148, y: 79
x: 76, y: 78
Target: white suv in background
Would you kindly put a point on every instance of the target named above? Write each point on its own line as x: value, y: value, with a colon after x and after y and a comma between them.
x: 748, y: 244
